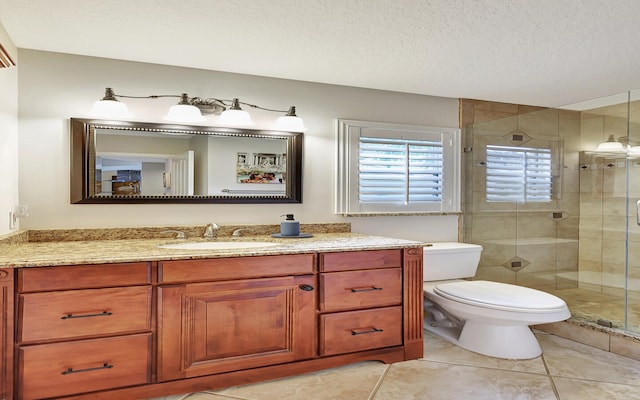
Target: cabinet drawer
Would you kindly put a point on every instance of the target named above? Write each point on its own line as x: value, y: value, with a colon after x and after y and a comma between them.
x: 360, y: 289
x: 83, y: 276
x: 220, y: 269
x: 54, y: 370
x: 81, y: 313
x: 360, y: 330
x: 352, y: 260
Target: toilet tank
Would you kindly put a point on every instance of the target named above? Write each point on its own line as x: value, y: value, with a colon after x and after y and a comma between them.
x: 450, y: 260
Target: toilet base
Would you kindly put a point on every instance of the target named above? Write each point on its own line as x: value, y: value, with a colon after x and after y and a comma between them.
x: 516, y: 342
x: 513, y: 342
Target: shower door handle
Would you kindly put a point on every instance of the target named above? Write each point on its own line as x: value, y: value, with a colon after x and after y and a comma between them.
x: 638, y: 212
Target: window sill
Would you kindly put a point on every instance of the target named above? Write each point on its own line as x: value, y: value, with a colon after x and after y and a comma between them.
x: 411, y: 214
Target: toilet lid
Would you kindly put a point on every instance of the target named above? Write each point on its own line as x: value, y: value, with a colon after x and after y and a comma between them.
x: 499, y: 295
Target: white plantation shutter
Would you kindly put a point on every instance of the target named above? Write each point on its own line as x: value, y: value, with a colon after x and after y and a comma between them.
x: 396, y: 168
x: 400, y: 171
x: 518, y: 174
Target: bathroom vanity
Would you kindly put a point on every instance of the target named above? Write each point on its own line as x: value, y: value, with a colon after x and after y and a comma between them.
x: 157, y: 322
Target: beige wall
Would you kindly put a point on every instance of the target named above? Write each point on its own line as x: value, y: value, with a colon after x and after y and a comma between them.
x: 8, y: 135
x: 54, y: 87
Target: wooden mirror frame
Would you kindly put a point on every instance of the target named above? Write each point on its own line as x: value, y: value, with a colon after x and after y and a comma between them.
x: 83, y: 163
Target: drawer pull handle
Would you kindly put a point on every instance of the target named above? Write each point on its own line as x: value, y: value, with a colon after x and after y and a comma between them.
x: 373, y: 330
x: 102, y: 314
x: 75, y: 371
x: 356, y: 290
x: 307, y: 288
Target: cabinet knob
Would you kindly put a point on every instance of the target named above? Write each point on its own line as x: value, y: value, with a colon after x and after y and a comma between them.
x: 307, y: 288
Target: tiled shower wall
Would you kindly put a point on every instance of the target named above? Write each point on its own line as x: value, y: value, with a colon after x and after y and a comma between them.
x: 529, y: 244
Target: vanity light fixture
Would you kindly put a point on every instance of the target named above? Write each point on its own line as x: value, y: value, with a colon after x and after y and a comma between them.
x: 109, y: 107
x: 617, y: 148
x: 235, y: 115
x: 611, y: 146
x: 184, y: 111
x: 191, y: 109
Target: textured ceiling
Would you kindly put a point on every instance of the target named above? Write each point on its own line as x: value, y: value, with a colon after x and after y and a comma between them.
x: 538, y: 52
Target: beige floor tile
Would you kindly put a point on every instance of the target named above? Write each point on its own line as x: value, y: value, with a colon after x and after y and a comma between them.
x: 350, y: 382
x: 437, y: 349
x: 417, y: 380
x: 580, y: 334
x: 566, y: 358
x: 575, y: 389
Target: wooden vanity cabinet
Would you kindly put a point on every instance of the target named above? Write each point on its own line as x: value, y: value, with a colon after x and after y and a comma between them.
x: 83, y: 329
x: 144, y: 330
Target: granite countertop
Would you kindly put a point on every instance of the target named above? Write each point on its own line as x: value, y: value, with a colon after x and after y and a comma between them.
x: 53, y: 253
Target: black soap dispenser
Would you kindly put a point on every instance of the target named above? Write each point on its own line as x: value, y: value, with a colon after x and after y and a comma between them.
x: 289, y: 227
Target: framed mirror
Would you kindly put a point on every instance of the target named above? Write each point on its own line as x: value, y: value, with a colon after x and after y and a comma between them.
x: 138, y: 162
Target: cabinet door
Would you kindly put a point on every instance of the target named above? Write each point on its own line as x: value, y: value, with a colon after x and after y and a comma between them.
x: 207, y: 328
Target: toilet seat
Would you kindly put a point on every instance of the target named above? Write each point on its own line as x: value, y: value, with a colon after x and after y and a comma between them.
x: 500, y: 296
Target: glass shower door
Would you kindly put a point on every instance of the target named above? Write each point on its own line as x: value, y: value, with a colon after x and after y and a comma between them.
x: 632, y: 273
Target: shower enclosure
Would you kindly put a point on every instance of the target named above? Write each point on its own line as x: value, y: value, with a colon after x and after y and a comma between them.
x: 552, y: 209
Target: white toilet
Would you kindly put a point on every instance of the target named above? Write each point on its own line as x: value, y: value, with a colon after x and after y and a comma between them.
x: 489, y: 318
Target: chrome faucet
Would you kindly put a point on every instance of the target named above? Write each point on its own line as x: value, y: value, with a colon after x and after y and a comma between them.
x: 211, y: 231
x: 238, y: 232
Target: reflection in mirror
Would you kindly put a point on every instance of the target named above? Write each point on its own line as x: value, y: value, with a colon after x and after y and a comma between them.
x: 128, y: 162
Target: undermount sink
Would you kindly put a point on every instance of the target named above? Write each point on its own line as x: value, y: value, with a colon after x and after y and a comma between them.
x: 216, y: 245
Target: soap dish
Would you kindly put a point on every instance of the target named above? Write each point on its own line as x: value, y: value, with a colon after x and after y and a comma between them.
x: 300, y: 236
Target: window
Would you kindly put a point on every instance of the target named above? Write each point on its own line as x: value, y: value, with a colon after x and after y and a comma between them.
x: 395, y: 168
x: 519, y: 174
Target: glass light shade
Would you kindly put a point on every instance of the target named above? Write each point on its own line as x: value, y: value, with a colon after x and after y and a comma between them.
x: 611, y: 146
x: 235, y: 118
x: 184, y: 113
x: 109, y: 109
x: 633, y: 151
x: 615, y: 147
x: 290, y: 123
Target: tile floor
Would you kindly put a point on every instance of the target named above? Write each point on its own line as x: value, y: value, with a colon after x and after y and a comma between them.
x: 567, y: 370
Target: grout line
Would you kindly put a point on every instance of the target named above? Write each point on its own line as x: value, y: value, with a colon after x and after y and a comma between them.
x: 376, y: 387
x: 462, y: 364
x: 551, y: 380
